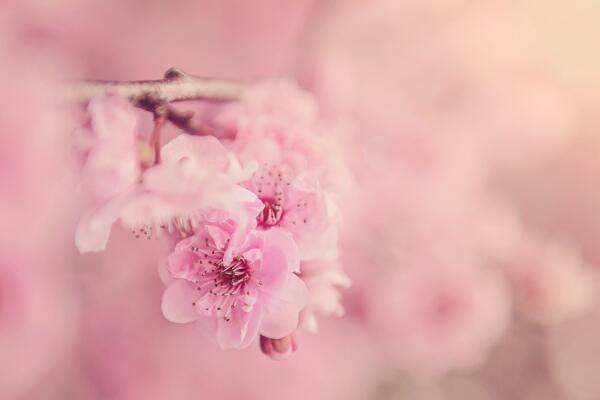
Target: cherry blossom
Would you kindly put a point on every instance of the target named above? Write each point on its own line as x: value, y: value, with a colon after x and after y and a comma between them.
x: 256, y: 291
x: 195, y: 173
x: 324, y: 279
x: 109, y: 147
x: 277, y: 125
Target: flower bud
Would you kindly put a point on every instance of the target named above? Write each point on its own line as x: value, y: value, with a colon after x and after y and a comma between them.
x: 278, y: 349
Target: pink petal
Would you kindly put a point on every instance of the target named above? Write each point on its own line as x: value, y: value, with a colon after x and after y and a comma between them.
x: 240, y: 331
x: 113, y: 117
x: 237, y: 173
x: 208, y: 327
x: 177, y: 302
x: 252, y: 256
x: 243, y: 207
x: 176, y: 178
x: 252, y: 328
x: 180, y: 263
x: 292, y: 291
x: 186, y: 243
x: 163, y: 272
x: 205, y: 149
x: 229, y: 334
x: 94, y: 228
x: 281, y: 309
x: 219, y: 236
x: 284, y: 241
x: 280, y: 258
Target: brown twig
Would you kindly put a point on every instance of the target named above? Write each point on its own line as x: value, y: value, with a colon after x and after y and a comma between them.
x: 175, y: 86
x: 155, y: 96
x: 181, y: 119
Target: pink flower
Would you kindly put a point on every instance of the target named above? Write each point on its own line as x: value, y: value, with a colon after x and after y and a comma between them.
x: 109, y: 147
x: 297, y: 203
x: 195, y: 174
x: 277, y: 109
x: 255, y: 291
x: 276, y: 125
x: 435, y: 319
x: 323, y: 278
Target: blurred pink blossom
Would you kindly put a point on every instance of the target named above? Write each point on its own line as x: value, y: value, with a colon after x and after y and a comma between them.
x: 109, y: 147
x: 551, y: 282
x: 194, y: 174
x: 437, y: 317
x: 323, y: 278
x: 37, y: 305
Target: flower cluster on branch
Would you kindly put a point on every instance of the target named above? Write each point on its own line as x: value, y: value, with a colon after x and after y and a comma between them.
x: 251, y: 216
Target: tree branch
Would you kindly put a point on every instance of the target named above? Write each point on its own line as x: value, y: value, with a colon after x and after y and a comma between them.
x: 175, y: 86
x: 155, y: 96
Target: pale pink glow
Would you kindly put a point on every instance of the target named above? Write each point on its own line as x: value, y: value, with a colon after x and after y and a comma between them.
x: 573, y: 355
x: 437, y: 318
x: 257, y: 291
x: 550, y: 280
x: 38, y: 308
x: 32, y: 304
x: 400, y: 201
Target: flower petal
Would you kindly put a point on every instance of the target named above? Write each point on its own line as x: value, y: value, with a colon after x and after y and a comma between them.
x: 283, y: 240
x: 206, y: 150
x: 219, y: 236
x: 241, y: 330
x: 94, y: 228
x: 281, y: 309
x: 178, y: 302
x: 252, y: 327
x: 280, y: 258
x: 180, y: 264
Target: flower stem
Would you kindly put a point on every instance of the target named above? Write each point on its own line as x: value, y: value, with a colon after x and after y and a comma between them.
x: 159, y: 120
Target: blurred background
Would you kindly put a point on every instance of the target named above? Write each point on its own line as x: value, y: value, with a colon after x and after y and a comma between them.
x: 470, y: 225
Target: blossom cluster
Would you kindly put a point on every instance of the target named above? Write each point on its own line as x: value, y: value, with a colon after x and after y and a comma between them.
x: 469, y: 233
x: 252, y: 217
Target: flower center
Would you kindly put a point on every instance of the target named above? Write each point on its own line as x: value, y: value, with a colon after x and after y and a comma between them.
x: 272, y: 212
x: 234, y: 275
x: 270, y: 183
x: 223, y: 287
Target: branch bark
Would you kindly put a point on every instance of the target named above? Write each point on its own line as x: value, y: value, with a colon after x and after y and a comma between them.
x: 175, y: 86
x: 155, y: 96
